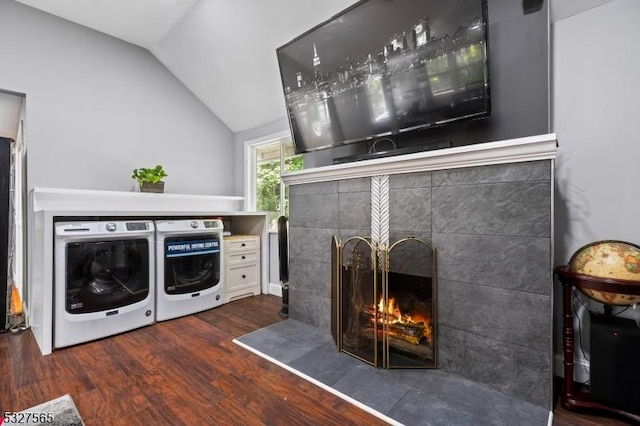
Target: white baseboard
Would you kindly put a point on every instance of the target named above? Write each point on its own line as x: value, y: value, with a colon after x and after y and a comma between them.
x: 581, y: 368
x: 275, y: 289
x: 25, y: 312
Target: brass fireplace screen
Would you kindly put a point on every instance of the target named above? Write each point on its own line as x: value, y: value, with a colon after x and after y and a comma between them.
x: 384, y: 301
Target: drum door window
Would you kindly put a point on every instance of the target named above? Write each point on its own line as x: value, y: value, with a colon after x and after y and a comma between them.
x: 105, y: 275
x: 191, y: 263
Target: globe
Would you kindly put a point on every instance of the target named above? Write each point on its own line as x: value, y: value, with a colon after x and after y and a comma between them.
x: 618, y: 260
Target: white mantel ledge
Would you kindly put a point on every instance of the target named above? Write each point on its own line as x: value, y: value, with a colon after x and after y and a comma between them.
x: 80, y: 200
x: 530, y: 148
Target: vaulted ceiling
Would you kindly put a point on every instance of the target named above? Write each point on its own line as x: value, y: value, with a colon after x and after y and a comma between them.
x: 222, y: 50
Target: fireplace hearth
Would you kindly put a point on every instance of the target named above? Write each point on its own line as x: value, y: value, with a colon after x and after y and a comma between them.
x: 383, y: 301
x: 488, y: 211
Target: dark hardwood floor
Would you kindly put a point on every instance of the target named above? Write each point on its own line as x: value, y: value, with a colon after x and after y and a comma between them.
x: 183, y: 371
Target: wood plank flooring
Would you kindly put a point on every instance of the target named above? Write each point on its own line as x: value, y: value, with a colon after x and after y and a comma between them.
x: 183, y: 371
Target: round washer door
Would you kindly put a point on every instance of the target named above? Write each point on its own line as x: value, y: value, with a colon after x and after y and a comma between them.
x: 105, y: 275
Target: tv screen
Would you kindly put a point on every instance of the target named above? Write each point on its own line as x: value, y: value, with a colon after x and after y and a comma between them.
x: 383, y: 67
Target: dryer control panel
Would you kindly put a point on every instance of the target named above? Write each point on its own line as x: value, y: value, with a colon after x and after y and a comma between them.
x: 212, y: 223
x: 137, y: 226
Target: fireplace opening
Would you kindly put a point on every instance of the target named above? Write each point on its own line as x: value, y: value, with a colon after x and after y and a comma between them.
x: 383, y: 301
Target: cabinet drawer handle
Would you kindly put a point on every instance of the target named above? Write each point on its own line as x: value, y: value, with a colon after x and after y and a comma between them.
x: 243, y: 244
x: 244, y: 257
x: 244, y: 276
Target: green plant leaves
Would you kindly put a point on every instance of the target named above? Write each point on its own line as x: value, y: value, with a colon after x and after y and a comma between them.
x: 149, y: 175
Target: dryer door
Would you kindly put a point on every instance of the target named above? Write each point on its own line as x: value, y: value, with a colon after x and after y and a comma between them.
x: 191, y: 263
x: 104, y: 275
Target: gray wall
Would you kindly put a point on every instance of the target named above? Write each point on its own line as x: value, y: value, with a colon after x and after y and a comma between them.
x: 596, y: 119
x: 98, y: 107
x: 595, y: 116
x: 491, y: 227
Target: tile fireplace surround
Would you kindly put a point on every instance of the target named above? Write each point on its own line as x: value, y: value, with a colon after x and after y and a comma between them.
x: 488, y: 211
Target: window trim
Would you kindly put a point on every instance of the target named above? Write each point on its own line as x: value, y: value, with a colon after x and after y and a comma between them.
x: 250, y: 165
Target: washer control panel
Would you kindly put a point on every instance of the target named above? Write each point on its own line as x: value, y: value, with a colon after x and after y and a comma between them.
x: 110, y: 227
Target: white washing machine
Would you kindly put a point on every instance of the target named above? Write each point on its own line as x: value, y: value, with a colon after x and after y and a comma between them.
x: 188, y: 266
x: 103, y: 279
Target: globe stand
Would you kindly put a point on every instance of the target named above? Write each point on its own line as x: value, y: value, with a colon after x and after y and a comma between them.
x: 572, y: 396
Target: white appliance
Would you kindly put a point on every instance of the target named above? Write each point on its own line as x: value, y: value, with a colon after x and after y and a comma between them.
x: 188, y: 266
x: 103, y: 279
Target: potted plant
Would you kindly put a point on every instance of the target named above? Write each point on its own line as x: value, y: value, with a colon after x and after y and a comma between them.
x: 150, y: 179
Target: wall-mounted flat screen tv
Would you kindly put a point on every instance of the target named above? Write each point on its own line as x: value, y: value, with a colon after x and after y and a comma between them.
x: 383, y: 67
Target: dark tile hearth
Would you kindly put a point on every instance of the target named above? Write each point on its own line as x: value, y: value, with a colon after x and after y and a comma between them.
x: 409, y: 397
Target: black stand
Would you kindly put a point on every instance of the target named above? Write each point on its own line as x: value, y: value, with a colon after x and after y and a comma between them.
x: 574, y: 397
x: 284, y: 312
x: 283, y: 252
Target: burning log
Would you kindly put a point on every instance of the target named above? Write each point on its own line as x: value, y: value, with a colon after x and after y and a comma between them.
x: 412, y: 332
x: 422, y: 350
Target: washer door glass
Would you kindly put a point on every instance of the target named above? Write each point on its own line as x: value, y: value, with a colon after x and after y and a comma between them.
x: 104, y: 275
x: 191, y: 263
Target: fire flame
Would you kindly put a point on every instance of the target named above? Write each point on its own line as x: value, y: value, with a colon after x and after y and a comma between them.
x: 391, y: 314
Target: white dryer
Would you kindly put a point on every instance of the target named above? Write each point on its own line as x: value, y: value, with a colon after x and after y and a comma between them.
x: 188, y: 266
x: 103, y: 279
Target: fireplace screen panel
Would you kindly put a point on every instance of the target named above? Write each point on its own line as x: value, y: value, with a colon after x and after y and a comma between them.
x: 384, y: 302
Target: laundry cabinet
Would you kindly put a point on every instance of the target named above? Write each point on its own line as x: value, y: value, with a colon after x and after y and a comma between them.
x: 242, y: 266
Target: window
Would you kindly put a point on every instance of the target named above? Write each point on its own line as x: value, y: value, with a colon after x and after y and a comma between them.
x: 267, y: 160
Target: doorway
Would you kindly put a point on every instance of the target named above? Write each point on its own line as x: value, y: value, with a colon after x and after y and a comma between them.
x: 12, y: 200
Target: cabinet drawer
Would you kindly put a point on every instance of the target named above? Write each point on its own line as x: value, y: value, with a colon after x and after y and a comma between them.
x: 242, y: 244
x: 241, y: 276
x: 241, y: 258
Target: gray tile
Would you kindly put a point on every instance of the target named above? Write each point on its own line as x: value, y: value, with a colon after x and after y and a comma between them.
x: 310, y: 243
x: 303, y: 332
x: 488, y: 311
x: 412, y: 397
x: 514, y: 172
x: 325, y: 364
x: 517, y: 263
x: 355, y: 185
x: 311, y: 276
x: 313, y: 188
x: 310, y: 308
x: 410, y: 210
x: 513, y: 370
x: 410, y: 180
x: 422, y: 408
x: 314, y: 211
x: 372, y: 387
x: 522, y: 209
x: 354, y: 210
x: 447, y: 386
x: 455, y: 401
x: 277, y: 345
